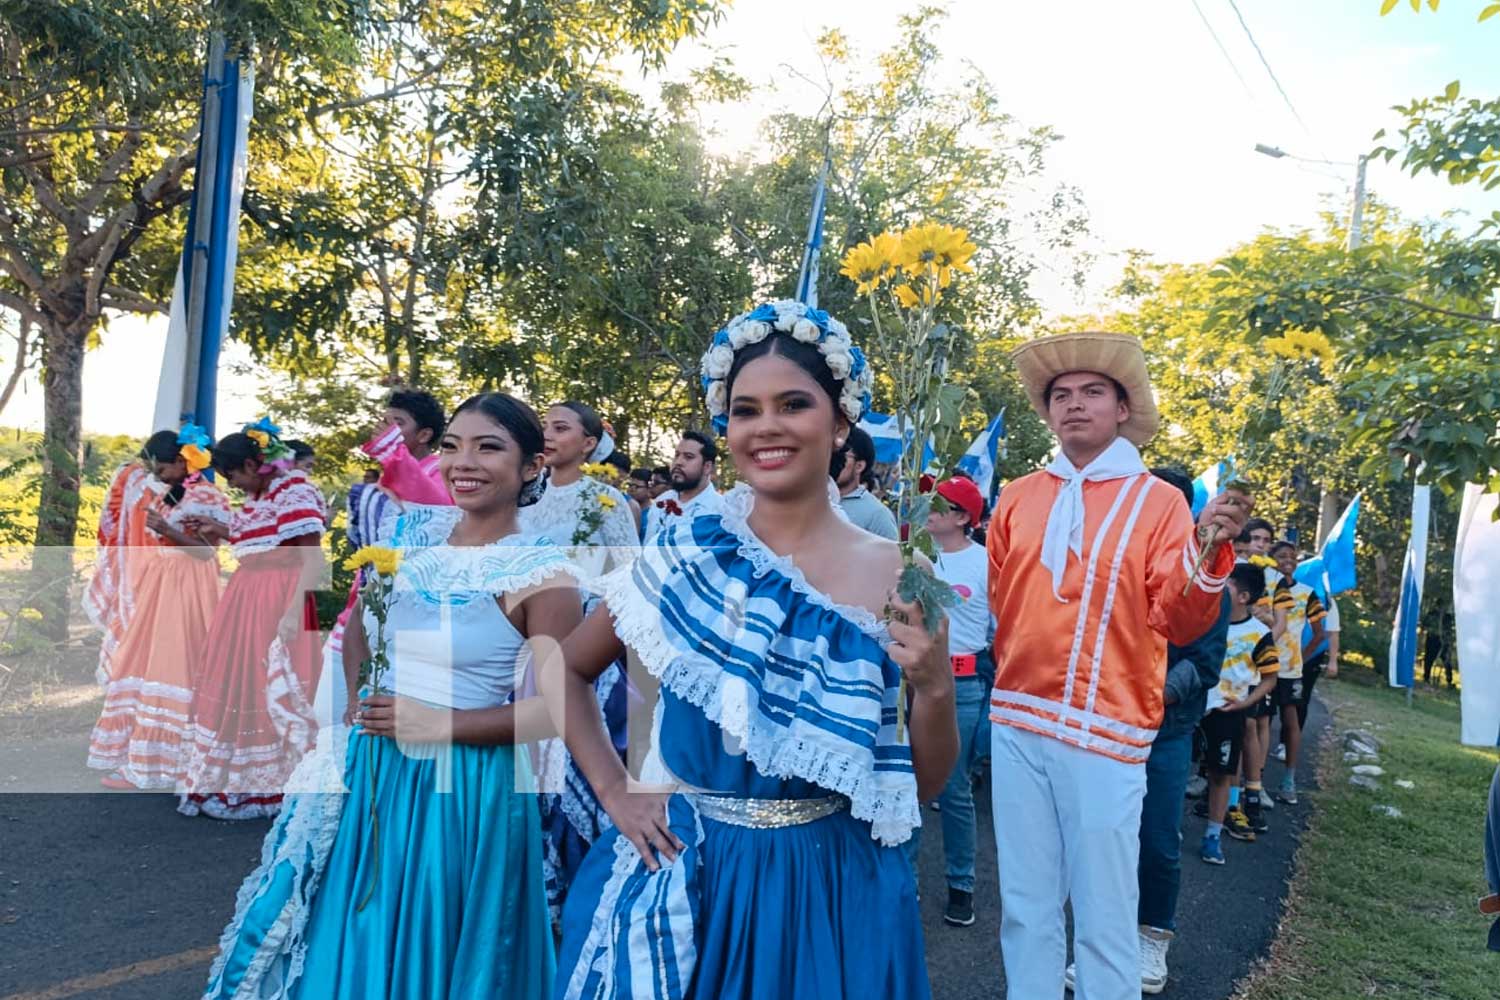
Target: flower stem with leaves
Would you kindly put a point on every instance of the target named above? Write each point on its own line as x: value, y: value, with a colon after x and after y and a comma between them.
x: 914, y: 268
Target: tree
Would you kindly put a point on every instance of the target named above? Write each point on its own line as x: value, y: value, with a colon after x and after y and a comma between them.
x: 98, y: 129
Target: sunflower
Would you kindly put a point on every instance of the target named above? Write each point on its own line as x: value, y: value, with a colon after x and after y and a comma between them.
x: 871, y: 262
x: 383, y: 560
x: 933, y: 246
x: 910, y: 298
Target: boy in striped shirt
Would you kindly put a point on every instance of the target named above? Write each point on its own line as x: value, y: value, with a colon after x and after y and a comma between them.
x: 1249, y: 672
x: 1302, y: 607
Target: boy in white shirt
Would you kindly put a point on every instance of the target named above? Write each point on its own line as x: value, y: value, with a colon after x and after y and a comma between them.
x: 963, y: 565
x: 1249, y: 673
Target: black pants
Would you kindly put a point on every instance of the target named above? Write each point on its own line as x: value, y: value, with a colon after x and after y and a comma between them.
x: 1311, y: 671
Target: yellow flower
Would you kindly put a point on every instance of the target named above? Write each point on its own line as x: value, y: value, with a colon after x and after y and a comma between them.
x: 1265, y: 562
x: 259, y: 437
x: 197, y: 459
x: 600, y: 470
x: 1296, y: 345
x: 932, y: 245
x: 606, y: 501
x: 910, y: 298
x: 383, y: 560
x: 871, y: 263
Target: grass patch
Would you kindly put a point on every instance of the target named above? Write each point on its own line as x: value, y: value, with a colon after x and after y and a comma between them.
x: 1383, y: 907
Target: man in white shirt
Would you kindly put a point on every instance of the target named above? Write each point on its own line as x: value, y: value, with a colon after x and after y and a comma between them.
x: 963, y: 565
x: 851, y: 473
x: 692, y: 493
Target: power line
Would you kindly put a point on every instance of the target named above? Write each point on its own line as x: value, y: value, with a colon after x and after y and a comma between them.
x: 1269, y: 71
x: 1224, y: 52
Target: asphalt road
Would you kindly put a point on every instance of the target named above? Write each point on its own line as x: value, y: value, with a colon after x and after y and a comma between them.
x: 117, y: 896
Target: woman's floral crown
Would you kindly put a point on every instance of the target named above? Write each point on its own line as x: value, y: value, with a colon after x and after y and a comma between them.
x: 194, y: 444
x: 811, y: 326
x: 274, y: 451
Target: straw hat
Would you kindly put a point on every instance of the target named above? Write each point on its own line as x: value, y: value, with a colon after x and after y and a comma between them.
x: 1118, y: 355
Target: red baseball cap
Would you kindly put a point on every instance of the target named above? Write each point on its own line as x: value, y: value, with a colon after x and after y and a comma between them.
x: 964, y: 494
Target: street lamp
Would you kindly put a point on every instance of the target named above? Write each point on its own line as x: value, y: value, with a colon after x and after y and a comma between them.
x: 1356, y: 209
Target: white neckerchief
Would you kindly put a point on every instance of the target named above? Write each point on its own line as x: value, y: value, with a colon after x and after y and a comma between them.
x: 1064, y: 531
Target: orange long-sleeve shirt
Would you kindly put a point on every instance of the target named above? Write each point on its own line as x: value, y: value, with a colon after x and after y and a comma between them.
x: 1091, y: 671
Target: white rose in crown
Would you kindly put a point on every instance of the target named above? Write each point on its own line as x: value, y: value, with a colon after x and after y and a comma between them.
x: 718, y: 397
x: 837, y: 329
x: 853, y: 404
x: 789, y: 315
x: 840, y: 363
x: 806, y: 331
x: 718, y: 361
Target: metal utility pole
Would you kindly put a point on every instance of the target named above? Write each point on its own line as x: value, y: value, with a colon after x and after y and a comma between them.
x: 1357, y: 210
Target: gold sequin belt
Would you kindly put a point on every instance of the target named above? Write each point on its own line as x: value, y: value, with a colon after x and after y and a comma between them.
x: 768, y: 814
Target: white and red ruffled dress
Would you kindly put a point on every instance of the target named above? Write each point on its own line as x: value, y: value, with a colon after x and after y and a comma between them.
x: 252, y: 706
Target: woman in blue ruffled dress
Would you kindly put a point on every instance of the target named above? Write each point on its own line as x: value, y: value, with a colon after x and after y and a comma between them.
x: 772, y: 868
x: 425, y: 880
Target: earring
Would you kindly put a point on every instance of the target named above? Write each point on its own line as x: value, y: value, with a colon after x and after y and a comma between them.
x: 532, y: 492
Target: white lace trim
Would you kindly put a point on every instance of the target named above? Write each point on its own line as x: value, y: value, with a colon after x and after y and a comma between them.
x: 892, y: 812
x: 309, y: 824
x: 738, y: 503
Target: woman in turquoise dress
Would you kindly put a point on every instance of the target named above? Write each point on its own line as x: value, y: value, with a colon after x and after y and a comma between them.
x: 425, y: 879
x: 770, y: 866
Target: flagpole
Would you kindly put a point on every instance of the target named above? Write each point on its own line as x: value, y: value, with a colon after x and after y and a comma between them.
x: 807, y: 280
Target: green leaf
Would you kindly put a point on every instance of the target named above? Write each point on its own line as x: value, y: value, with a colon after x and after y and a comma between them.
x: 1489, y: 12
x: 1451, y: 93
x: 917, y: 583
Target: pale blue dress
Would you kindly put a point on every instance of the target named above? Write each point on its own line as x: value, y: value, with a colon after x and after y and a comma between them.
x: 451, y: 859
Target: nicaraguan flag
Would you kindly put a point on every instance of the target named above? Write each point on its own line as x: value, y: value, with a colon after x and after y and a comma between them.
x: 1210, y: 483
x: 983, y: 457
x: 883, y: 431
x: 1403, y: 658
x: 807, y: 281
x: 1337, y: 552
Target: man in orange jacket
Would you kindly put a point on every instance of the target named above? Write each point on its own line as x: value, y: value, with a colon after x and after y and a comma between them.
x: 1094, y: 567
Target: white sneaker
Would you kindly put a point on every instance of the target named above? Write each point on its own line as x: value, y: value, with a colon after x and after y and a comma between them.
x: 1154, y: 945
x: 1281, y: 752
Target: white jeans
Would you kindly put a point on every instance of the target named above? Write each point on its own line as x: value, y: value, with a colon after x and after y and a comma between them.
x: 1067, y: 824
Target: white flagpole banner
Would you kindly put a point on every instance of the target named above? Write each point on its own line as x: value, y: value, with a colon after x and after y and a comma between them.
x: 1476, y: 587
x: 170, y: 402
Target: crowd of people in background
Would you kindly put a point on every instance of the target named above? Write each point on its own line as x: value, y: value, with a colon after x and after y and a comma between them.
x: 1103, y: 661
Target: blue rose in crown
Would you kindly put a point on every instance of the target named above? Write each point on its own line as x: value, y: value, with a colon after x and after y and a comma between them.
x: 846, y: 362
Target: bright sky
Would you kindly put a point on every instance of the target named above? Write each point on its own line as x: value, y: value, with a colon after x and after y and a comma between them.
x: 1159, y: 130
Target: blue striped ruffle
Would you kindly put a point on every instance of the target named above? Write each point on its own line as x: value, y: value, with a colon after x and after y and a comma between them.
x: 803, y: 683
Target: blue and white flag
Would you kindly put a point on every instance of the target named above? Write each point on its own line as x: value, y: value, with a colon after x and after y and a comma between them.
x: 884, y: 432
x: 983, y: 457
x: 1337, y: 552
x: 807, y: 281
x: 1210, y: 483
x: 1403, y: 658
x: 198, y: 319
